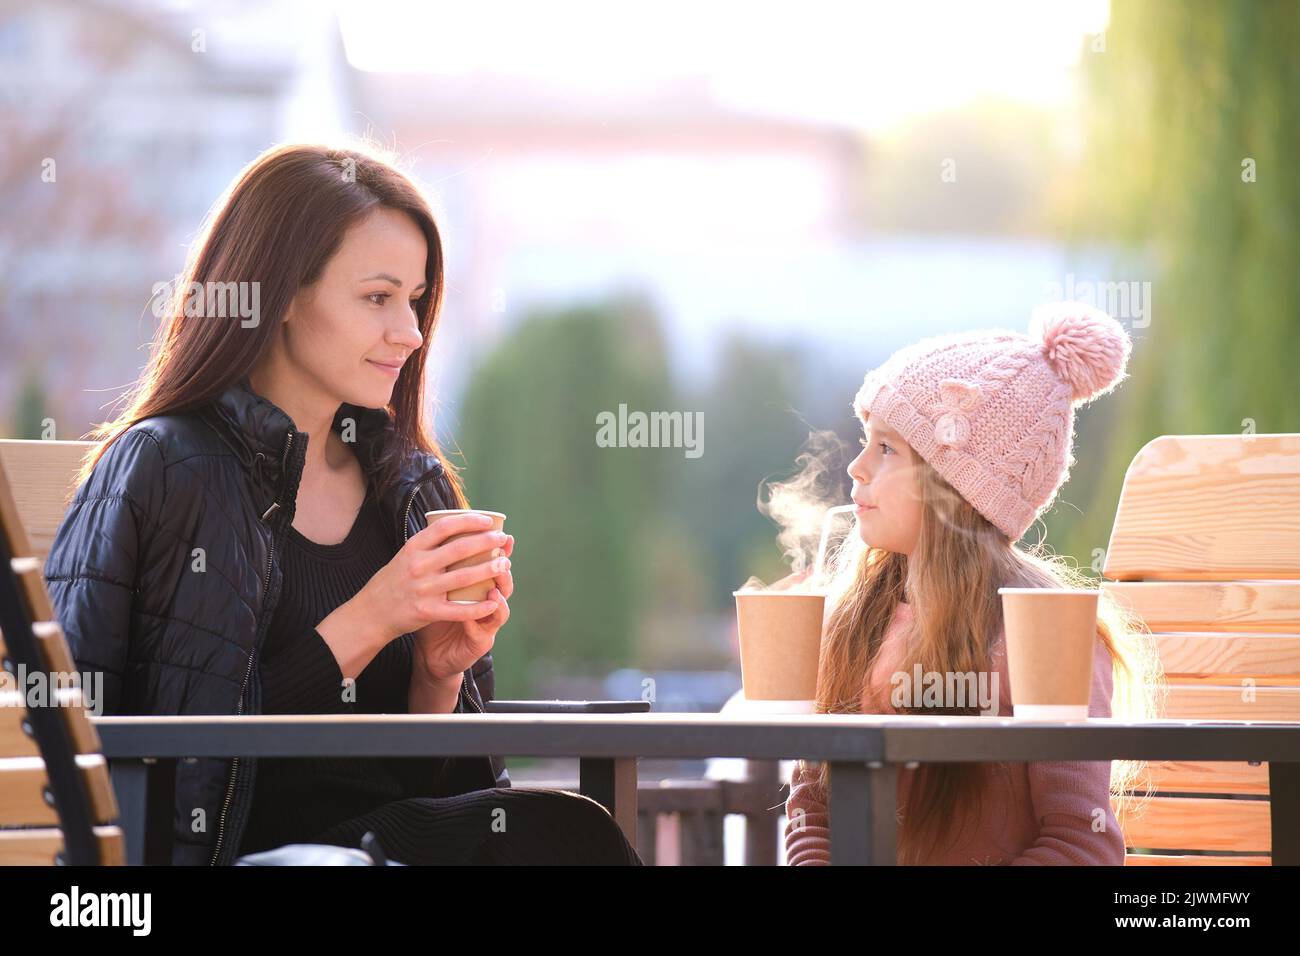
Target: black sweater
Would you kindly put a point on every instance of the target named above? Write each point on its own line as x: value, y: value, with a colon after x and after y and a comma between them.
x: 296, y: 798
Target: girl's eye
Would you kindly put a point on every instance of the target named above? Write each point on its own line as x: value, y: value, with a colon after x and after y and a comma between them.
x: 863, y: 443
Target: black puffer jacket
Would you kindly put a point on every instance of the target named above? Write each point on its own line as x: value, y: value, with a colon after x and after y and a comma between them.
x: 170, y: 638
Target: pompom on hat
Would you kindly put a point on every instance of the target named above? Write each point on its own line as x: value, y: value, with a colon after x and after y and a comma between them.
x: 993, y: 411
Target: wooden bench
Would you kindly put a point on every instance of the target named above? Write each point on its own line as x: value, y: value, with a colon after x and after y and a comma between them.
x: 1206, y: 551
x: 57, y: 803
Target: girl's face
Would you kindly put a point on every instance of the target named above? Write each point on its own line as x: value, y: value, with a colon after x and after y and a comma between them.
x: 887, y: 490
x: 350, y: 332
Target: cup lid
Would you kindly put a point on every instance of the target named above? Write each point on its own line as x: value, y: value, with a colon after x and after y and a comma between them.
x: 464, y: 511
x: 752, y: 592
x: 1088, y: 591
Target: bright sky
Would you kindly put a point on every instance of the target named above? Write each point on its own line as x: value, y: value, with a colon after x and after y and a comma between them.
x: 870, y: 65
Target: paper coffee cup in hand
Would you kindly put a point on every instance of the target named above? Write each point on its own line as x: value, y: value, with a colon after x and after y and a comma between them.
x: 478, y: 591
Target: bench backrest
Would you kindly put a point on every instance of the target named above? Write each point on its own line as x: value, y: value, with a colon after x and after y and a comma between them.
x: 1206, y: 550
x: 57, y: 803
x: 41, y: 474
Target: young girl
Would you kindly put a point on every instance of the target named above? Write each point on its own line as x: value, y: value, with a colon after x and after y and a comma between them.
x: 968, y: 440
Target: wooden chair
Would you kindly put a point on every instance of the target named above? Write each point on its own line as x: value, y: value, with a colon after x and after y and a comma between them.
x: 40, y: 477
x: 57, y: 802
x: 1206, y: 550
x: 59, y: 797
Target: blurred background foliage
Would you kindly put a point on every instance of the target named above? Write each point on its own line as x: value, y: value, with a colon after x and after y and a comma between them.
x: 654, y: 544
x: 623, y: 555
x: 783, y: 224
x: 1193, y: 129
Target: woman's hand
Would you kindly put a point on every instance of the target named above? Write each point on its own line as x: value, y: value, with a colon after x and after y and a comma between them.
x: 444, y: 649
x: 409, y: 593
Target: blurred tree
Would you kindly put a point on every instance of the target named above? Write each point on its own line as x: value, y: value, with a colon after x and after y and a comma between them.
x: 30, y: 406
x: 754, y: 433
x: 1001, y: 167
x: 580, y: 513
x: 618, y: 548
x: 1193, y: 137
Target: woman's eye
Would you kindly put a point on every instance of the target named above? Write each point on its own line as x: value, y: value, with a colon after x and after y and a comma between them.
x: 883, y: 445
x: 382, y: 296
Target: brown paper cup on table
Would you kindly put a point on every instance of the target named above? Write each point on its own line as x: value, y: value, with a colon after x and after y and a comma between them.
x: 473, y: 593
x: 1051, y: 641
x: 780, y: 645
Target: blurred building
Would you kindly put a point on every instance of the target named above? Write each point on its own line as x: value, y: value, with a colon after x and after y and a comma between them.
x: 123, y: 123
x: 549, y: 193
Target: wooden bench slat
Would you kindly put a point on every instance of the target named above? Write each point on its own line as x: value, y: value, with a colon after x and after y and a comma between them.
x: 56, y: 659
x: 54, y: 646
x: 1224, y: 606
x: 32, y: 583
x: 22, y: 791
x: 1164, y: 859
x: 1203, y: 657
x: 14, y: 741
x: 12, y: 524
x: 37, y: 847
x: 1192, y: 476
x: 1215, y: 702
x: 1200, y: 823
x: 1208, y: 776
x: 40, y: 477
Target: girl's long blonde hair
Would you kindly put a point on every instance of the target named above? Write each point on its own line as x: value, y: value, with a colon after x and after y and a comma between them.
x: 951, y: 581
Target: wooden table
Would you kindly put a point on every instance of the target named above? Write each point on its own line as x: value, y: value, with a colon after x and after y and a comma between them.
x: 864, y: 752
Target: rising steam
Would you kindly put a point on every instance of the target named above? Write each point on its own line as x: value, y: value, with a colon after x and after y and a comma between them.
x: 799, y: 504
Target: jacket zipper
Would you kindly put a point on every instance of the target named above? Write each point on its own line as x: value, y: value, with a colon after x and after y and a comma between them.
x: 406, y: 513
x: 239, y: 707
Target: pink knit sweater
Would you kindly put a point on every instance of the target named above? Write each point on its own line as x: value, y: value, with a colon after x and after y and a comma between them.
x: 1033, y: 813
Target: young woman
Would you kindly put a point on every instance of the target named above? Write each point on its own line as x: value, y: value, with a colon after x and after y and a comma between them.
x: 250, y: 535
x: 967, y: 440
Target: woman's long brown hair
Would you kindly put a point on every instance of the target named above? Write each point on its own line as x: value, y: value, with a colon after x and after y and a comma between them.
x: 951, y: 580
x: 278, y: 224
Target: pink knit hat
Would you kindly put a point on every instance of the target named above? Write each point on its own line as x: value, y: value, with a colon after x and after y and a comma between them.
x: 993, y: 411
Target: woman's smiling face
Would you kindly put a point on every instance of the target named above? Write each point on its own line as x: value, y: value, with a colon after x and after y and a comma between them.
x: 886, y: 489
x: 354, y: 328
